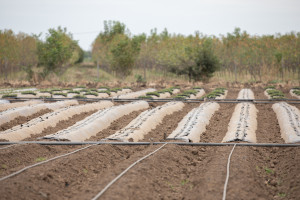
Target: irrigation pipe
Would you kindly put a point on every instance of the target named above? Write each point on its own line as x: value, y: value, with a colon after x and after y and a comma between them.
x: 126, y: 170
x: 153, y: 143
x: 227, y: 176
x: 9, y: 146
x: 43, y: 162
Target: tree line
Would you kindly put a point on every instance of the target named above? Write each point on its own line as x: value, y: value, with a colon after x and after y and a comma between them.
x: 117, y: 51
x: 23, y: 52
x: 197, y: 56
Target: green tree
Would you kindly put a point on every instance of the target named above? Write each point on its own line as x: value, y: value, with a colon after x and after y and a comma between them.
x: 56, y: 51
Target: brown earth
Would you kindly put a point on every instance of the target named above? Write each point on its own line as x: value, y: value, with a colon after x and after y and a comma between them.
x: 22, y: 120
x: 174, y: 172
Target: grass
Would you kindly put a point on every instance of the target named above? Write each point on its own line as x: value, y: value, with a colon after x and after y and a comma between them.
x: 281, y: 194
x: 268, y: 170
x: 40, y: 159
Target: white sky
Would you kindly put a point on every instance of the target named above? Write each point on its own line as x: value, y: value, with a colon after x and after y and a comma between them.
x: 84, y: 18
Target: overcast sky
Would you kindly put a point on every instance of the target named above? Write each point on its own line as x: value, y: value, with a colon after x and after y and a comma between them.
x: 84, y: 18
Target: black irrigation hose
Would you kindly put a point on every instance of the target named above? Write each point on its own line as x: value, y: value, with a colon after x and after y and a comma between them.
x: 154, y: 143
x: 255, y: 101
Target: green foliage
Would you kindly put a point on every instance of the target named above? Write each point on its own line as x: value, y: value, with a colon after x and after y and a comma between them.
x: 60, y: 94
x: 186, y: 94
x: 297, y: 92
x: 275, y: 94
x: 73, y: 92
x: 197, y: 88
x: 56, y: 51
x: 40, y: 159
x: 268, y: 171
x: 29, y: 92
x: 9, y: 95
x: 80, y: 86
x: 91, y: 93
x: 105, y: 91
x: 115, y: 90
x: 199, y: 62
x: 215, y: 93
x: 84, y: 90
x: 46, y: 91
x: 270, y: 87
x: 153, y: 94
x: 139, y: 79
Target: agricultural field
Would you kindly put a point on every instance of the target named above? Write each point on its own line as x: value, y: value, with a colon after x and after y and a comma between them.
x: 173, y: 143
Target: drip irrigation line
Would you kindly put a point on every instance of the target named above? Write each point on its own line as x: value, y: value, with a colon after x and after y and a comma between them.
x: 227, y: 175
x: 12, y: 145
x: 294, y: 101
x: 126, y: 170
x: 154, y: 143
x: 43, y: 162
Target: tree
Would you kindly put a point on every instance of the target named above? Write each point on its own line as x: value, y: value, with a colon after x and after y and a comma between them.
x: 56, y: 51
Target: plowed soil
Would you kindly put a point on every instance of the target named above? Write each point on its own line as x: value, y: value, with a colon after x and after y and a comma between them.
x: 174, y: 172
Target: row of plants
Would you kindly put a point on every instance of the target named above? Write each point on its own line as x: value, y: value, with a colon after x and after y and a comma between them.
x: 296, y: 91
x: 158, y: 92
x: 215, y: 93
x: 275, y: 94
x: 186, y: 94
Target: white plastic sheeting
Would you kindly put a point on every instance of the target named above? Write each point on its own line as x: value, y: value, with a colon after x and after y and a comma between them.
x: 246, y: 94
x: 243, y: 124
x: 200, y: 93
x: 194, y: 123
x: 289, y: 121
x: 122, y: 92
x: 37, y: 125
x: 175, y: 91
x: 3, y: 101
x: 293, y: 94
x: 161, y: 95
x: 145, y: 122
x: 19, y: 104
x: 25, y: 111
x: 135, y: 94
x: 98, y: 121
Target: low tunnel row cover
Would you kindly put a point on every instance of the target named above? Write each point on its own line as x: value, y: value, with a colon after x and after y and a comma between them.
x: 289, y: 121
x: 194, y: 123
